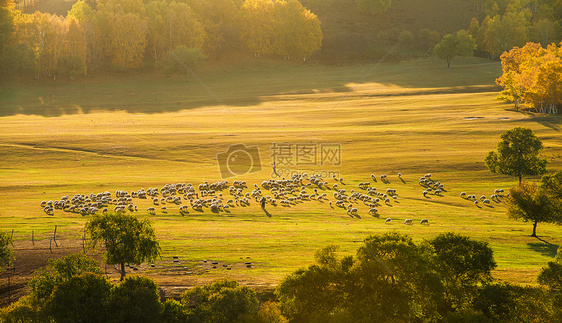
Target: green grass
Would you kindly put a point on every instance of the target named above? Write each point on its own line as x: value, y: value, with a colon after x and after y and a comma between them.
x: 98, y: 134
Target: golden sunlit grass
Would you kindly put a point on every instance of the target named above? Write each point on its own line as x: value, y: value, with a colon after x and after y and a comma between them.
x: 414, y: 117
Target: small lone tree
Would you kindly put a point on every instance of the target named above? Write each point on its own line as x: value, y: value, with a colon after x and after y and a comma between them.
x: 126, y: 239
x: 453, y: 45
x: 531, y: 204
x: 517, y: 154
x: 6, y: 251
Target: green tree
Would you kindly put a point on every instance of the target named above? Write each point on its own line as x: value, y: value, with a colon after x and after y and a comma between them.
x: 82, y: 298
x: 61, y: 270
x: 174, y: 312
x: 502, y: 33
x: 391, y: 279
x: 373, y: 7
x: 257, y: 26
x: 531, y: 204
x: 7, y: 24
x: 126, y: 239
x: 222, y: 301
x: 298, y: 31
x: 405, y: 37
x: 517, y: 154
x: 428, y: 38
x: 552, y: 184
x: 70, y: 65
x: 453, y: 45
x: 135, y: 299
x: 6, y: 252
x: 181, y: 57
x: 463, y: 264
x: 551, y: 275
x: 545, y: 31
x: 26, y: 309
x: 18, y: 59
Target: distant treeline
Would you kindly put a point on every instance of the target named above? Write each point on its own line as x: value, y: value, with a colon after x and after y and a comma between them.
x: 504, y: 24
x: 129, y: 34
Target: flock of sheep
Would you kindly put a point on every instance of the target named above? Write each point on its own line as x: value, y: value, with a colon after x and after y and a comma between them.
x: 221, y: 196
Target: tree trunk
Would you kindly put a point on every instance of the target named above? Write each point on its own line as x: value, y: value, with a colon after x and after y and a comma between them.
x: 535, y: 229
x: 122, y: 272
x: 520, y: 179
x: 448, y: 63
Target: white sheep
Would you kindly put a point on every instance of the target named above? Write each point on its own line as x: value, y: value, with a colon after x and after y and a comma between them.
x: 387, y: 221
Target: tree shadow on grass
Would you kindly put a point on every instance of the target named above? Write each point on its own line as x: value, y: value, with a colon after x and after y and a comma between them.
x: 267, y: 213
x: 544, y: 247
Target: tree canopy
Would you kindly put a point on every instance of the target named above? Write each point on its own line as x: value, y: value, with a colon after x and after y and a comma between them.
x: 530, y: 203
x: 453, y: 45
x: 533, y: 75
x: 6, y: 252
x: 117, y: 34
x: 126, y: 239
x: 60, y: 270
x: 517, y: 154
x: 391, y: 278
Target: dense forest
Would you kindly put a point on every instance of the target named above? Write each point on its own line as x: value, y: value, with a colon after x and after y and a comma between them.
x: 128, y: 34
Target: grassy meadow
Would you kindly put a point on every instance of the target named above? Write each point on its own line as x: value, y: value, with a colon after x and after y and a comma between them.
x: 415, y: 117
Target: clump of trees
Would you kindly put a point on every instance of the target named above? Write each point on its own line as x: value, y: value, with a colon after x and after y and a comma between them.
x: 123, y: 35
x: 74, y: 289
x: 532, y: 75
x: 502, y: 25
x: 393, y: 278
x: 390, y: 278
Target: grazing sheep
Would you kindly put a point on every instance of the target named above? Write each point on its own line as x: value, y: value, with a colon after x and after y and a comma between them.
x: 408, y: 221
x: 463, y: 194
x: 476, y: 202
x: 483, y: 197
x: 373, y: 211
x: 387, y: 221
x: 425, y: 193
x: 486, y: 201
x: 424, y: 221
x: 164, y: 209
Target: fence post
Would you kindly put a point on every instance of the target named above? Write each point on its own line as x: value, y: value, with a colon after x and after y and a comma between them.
x: 55, y: 237
x: 84, y: 241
